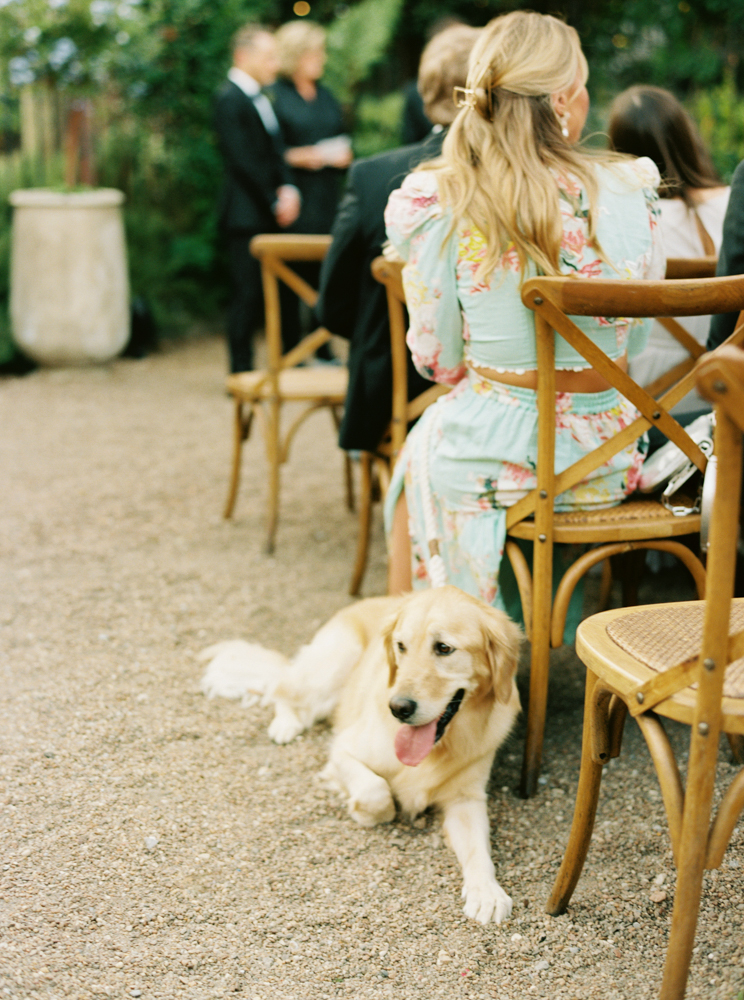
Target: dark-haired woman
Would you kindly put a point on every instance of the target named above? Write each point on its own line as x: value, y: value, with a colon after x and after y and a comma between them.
x: 649, y: 121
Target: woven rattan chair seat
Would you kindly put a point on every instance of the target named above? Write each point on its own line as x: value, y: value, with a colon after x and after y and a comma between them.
x: 326, y: 381
x: 661, y: 638
x: 637, y: 508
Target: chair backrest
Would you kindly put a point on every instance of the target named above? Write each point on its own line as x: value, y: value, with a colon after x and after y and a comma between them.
x: 273, y: 250
x: 691, y: 267
x: 682, y: 267
x: 554, y: 301
x: 390, y: 274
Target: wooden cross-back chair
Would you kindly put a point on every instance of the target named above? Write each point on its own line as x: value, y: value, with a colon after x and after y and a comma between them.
x: 640, y: 522
x: 263, y: 393
x: 681, y: 661
x: 676, y: 267
x: 378, y: 464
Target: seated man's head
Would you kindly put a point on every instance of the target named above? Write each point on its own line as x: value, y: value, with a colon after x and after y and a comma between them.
x: 444, y: 66
x: 254, y: 51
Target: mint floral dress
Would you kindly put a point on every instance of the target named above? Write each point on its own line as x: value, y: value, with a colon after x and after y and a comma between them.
x: 476, y: 447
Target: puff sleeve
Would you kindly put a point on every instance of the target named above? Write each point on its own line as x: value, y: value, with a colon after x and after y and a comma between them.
x: 652, y: 265
x: 419, y: 229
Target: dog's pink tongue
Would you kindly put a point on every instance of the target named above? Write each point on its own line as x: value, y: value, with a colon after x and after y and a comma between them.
x: 413, y: 743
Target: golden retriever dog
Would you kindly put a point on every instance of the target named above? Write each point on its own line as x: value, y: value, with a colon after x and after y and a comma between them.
x: 422, y: 693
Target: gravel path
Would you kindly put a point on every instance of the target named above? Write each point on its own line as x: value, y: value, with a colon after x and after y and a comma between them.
x: 156, y: 844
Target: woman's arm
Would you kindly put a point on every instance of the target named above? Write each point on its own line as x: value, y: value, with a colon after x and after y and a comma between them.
x: 653, y: 265
x: 418, y: 229
x: 304, y: 157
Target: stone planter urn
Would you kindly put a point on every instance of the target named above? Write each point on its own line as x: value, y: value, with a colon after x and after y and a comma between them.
x: 69, y: 291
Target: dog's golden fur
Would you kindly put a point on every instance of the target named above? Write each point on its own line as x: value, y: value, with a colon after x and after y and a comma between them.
x: 420, y: 650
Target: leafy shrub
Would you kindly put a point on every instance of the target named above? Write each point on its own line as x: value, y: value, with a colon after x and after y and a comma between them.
x: 156, y: 141
x: 357, y: 41
x: 378, y: 124
x: 719, y: 112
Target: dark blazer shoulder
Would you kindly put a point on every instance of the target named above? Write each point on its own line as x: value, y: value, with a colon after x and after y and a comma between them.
x: 230, y: 93
x: 375, y: 178
x: 231, y: 104
x: 731, y: 257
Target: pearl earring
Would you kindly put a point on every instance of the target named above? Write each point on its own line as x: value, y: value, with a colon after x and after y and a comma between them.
x: 564, y: 124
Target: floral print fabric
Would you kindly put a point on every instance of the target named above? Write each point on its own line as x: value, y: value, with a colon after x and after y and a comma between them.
x: 482, y: 457
x: 474, y: 452
x: 458, y: 320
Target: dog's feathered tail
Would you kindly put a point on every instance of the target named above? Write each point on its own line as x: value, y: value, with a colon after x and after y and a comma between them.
x: 302, y: 690
x: 245, y: 670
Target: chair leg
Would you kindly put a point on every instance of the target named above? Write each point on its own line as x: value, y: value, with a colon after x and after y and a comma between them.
x: 542, y: 589
x: 628, y: 569
x: 273, y: 455
x: 365, y: 519
x: 605, y: 586
x: 349, y: 476
x: 691, y: 859
x: 240, y: 433
x: 536, y: 710
x: 736, y: 742
x: 686, y: 908
x: 587, y: 796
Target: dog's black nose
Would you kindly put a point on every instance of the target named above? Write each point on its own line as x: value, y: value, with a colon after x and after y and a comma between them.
x: 402, y: 708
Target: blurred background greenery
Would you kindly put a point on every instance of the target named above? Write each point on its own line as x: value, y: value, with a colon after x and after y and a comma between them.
x: 151, y: 67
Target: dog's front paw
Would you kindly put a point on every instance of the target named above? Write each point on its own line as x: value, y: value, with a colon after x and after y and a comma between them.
x: 372, y: 805
x: 285, y: 725
x: 486, y: 902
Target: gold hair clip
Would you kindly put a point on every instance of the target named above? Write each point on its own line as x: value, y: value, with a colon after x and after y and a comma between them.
x: 464, y: 97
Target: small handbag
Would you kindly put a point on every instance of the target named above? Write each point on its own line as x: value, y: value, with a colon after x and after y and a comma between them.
x: 670, y: 467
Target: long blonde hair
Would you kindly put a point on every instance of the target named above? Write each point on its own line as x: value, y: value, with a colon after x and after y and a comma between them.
x: 293, y: 40
x: 505, y: 147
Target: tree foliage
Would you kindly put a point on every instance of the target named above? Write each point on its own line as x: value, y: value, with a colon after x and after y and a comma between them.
x: 357, y: 41
x: 76, y: 43
x: 157, y: 64
x: 678, y: 44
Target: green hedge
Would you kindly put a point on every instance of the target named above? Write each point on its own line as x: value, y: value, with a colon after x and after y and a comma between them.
x: 158, y: 146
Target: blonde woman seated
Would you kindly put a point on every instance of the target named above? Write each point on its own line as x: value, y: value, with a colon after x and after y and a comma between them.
x: 511, y: 197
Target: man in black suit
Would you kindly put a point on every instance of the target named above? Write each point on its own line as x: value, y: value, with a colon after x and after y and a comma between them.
x: 731, y: 258
x: 351, y: 303
x: 258, y: 196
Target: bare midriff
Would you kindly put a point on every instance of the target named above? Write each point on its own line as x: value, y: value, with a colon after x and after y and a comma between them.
x: 587, y: 380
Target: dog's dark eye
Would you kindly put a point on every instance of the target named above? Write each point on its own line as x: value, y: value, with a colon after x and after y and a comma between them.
x: 442, y: 649
x: 401, y: 647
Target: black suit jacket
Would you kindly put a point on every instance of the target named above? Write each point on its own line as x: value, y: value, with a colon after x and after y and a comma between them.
x: 353, y: 304
x: 415, y: 125
x: 731, y: 258
x: 254, y: 163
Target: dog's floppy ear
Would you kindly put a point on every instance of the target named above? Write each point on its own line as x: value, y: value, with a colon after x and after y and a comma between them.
x: 387, y: 629
x: 503, y: 641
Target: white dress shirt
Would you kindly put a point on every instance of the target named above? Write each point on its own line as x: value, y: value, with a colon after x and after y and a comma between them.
x: 251, y: 88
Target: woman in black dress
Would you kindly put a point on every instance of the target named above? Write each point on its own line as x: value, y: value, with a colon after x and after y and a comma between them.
x: 317, y: 148
x: 312, y: 124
